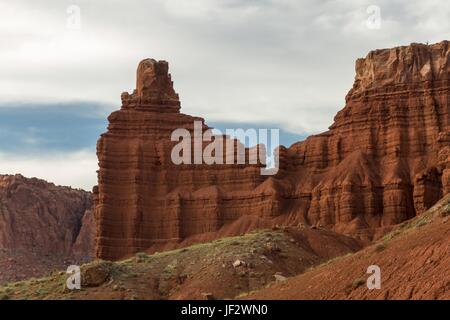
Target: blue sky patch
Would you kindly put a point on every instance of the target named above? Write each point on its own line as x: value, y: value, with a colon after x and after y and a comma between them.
x: 35, y: 128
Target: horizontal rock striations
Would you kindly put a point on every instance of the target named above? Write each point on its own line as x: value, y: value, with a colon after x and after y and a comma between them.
x: 143, y: 198
x: 385, y: 159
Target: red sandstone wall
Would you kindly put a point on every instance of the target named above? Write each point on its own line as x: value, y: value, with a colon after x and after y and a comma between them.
x: 385, y: 159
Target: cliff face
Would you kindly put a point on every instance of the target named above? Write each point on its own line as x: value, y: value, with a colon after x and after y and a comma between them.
x: 385, y: 159
x: 39, y: 225
x: 143, y: 198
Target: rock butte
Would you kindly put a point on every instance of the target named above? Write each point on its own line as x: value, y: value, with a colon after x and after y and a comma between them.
x: 385, y: 159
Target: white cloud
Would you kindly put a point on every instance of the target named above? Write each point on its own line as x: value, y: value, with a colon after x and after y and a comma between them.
x: 287, y: 62
x: 75, y: 169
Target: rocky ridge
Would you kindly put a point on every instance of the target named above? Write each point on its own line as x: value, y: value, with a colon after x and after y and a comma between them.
x: 40, y: 223
x: 384, y: 160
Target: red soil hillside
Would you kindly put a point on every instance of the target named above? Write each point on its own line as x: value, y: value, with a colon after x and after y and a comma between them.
x: 414, y: 261
x: 280, y: 263
x: 39, y: 225
x: 384, y: 160
x: 224, y: 268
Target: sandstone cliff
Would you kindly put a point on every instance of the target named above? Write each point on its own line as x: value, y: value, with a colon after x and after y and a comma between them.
x: 39, y: 225
x: 385, y: 159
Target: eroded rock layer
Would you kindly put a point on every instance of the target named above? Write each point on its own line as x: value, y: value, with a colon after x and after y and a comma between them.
x: 40, y: 223
x: 385, y: 159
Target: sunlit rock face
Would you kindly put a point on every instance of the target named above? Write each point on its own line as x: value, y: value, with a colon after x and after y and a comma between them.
x: 143, y: 198
x: 384, y: 159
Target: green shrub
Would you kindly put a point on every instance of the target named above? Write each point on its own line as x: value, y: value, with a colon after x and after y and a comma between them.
x: 358, y: 282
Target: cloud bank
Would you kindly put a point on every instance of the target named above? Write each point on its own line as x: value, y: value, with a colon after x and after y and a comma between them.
x: 284, y: 62
x: 75, y: 169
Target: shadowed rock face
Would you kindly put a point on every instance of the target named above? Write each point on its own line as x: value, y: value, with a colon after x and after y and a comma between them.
x: 384, y: 159
x: 40, y: 225
x: 38, y: 215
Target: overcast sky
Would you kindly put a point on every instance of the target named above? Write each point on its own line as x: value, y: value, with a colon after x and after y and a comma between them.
x: 284, y: 63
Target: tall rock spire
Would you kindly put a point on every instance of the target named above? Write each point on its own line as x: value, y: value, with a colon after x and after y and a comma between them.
x: 154, y: 87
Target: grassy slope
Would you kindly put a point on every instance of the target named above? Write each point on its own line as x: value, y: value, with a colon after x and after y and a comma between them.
x: 194, y: 272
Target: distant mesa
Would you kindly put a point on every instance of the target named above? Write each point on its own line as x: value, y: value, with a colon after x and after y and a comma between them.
x: 385, y: 159
x: 43, y: 227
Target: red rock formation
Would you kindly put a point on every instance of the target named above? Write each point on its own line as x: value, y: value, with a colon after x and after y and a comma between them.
x: 145, y: 199
x: 39, y: 224
x: 83, y: 250
x: 384, y: 160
